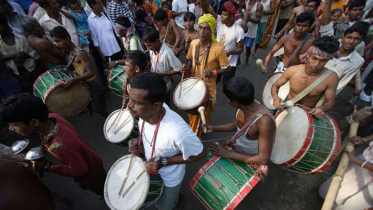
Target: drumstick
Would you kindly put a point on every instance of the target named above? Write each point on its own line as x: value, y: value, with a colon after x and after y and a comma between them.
x: 181, y: 83
x: 259, y: 62
x: 117, y: 74
x: 128, y: 189
x: 122, y: 125
x: 125, y: 179
x: 120, y: 113
x: 201, y: 110
x: 191, y: 87
x: 288, y: 104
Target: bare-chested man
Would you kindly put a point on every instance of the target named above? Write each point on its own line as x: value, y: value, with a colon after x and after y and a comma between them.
x: 302, y: 76
x: 294, y: 44
x: 190, y: 33
x: 40, y: 43
x: 169, y: 32
x: 310, y: 6
x: 254, y: 145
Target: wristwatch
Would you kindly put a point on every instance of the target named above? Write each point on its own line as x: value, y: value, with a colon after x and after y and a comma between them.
x: 116, y: 62
x: 46, y: 166
x: 164, y: 161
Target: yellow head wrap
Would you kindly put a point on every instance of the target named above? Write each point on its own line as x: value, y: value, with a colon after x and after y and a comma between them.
x: 209, y: 19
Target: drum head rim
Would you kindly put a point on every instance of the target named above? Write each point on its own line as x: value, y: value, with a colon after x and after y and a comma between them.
x: 38, y: 80
x: 107, y: 121
x: 265, y: 83
x: 143, y: 198
x: 108, y: 77
x: 193, y: 107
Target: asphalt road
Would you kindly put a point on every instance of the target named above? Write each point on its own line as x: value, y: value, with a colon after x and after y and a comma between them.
x: 281, y: 189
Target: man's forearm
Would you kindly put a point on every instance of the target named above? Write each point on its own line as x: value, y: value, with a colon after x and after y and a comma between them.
x: 178, y: 159
x: 225, y: 128
x: 168, y: 73
x: 236, y: 51
x: 222, y: 71
x: 327, y: 106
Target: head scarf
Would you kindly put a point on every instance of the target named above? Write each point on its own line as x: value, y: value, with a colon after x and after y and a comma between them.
x: 209, y: 19
x: 318, y: 51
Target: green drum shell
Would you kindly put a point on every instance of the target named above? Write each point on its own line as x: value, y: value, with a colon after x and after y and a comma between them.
x: 117, y: 84
x: 223, y: 183
x: 320, y: 147
x: 155, y: 189
x: 65, y: 102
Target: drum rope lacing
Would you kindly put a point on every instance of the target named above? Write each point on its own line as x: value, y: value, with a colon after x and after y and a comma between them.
x: 210, y: 195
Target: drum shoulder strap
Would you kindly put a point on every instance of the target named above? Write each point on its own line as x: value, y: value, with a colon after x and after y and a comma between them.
x: 307, y: 90
x: 244, y: 128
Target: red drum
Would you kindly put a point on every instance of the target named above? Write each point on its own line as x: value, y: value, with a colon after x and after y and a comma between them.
x: 190, y: 94
x: 266, y: 92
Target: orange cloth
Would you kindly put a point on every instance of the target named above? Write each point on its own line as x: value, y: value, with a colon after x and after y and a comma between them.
x: 335, y: 5
x: 196, y: 122
x: 270, y: 26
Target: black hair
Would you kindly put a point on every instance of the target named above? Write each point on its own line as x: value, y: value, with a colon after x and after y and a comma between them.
x: 327, y: 44
x: 318, y: 2
x: 59, y: 32
x: 359, y: 27
x: 239, y: 89
x: 140, y: 14
x: 72, y: 2
x: 137, y: 58
x: 165, y: 3
x: 153, y: 83
x: 23, y: 107
x: 305, y: 16
x: 91, y: 2
x: 124, y: 21
x: 42, y: 3
x: 160, y: 14
x: 151, y: 35
x: 139, y: 2
x: 3, y: 20
x: 336, y: 10
x: 189, y: 16
x: 356, y: 3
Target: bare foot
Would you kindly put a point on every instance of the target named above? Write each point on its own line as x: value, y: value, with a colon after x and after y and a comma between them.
x: 255, y: 55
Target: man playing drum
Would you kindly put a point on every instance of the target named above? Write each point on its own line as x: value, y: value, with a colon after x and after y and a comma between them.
x: 302, y: 76
x: 168, y: 141
x: 206, y: 58
x: 294, y: 44
x: 254, y: 146
x: 27, y: 114
x: 82, y: 66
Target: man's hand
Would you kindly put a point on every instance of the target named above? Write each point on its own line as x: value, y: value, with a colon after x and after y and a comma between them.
x: 184, y: 69
x: 154, y: 165
x: 68, y: 83
x: 317, y: 112
x: 209, y: 128
x: 264, y: 70
x: 351, y: 155
x: 356, y: 140
x: 357, y: 92
x: 229, y: 143
x: 207, y: 73
x: 277, y: 103
x: 228, y: 53
x: 132, y: 145
x: 111, y: 64
x: 218, y: 150
x: 103, y: 58
x: 38, y: 165
x: 176, y: 52
x: 277, y: 36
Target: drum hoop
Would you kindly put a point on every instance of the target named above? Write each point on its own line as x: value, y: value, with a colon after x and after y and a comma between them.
x: 236, y: 200
x: 108, y: 80
x: 106, y: 196
x: 307, y: 143
x: 104, y: 128
x: 187, y: 108
x: 58, y: 84
x: 265, y: 83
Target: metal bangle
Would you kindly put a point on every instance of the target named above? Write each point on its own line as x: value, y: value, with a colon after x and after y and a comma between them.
x: 362, y: 165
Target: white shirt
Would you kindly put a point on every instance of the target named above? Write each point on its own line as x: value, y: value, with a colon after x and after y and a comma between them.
x: 103, y: 34
x: 49, y: 24
x: 345, y: 67
x: 134, y: 44
x: 180, y: 6
x: 229, y: 37
x: 252, y: 28
x: 164, y: 62
x: 174, y: 137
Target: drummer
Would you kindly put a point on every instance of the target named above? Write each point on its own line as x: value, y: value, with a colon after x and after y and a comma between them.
x: 206, y: 58
x: 294, y: 44
x: 301, y: 76
x: 79, y: 61
x: 164, y: 134
x: 254, y: 145
x: 27, y: 114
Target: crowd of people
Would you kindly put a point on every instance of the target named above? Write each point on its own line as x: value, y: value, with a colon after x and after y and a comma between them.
x: 320, y: 47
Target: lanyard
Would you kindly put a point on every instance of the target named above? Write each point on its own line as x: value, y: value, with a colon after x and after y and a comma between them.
x: 156, y: 63
x: 155, y: 134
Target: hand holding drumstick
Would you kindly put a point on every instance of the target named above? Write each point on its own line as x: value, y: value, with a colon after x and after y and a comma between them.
x: 201, y: 110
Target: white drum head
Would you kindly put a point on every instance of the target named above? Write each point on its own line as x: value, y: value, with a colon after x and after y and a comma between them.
x: 266, y: 93
x: 193, y: 91
x: 124, y: 118
x: 279, y: 52
x: 292, y: 128
x: 137, y: 194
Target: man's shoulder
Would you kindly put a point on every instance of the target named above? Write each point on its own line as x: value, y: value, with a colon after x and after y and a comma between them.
x: 194, y: 43
x: 44, y: 18
x: 217, y: 46
x: 356, y: 57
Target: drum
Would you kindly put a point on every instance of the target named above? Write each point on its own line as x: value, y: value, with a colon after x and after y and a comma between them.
x: 48, y: 87
x: 120, y: 127
x: 193, y: 95
x: 266, y: 92
x: 279, y: 55
x: 116, y: 84
x: 223, y: 183
x: 143, y: 189
x: 305, y: 144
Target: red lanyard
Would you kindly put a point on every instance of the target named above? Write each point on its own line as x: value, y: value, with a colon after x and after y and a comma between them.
x: 156, y: 63
x: 155, y: 134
